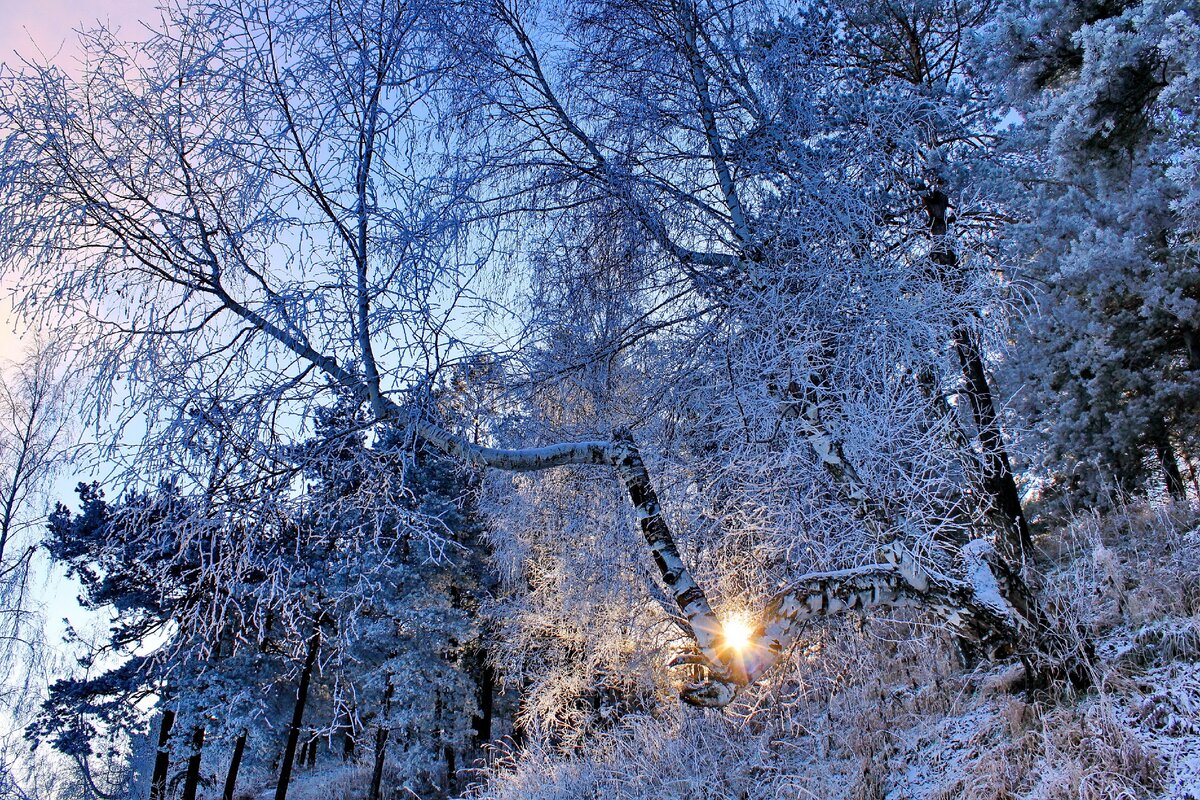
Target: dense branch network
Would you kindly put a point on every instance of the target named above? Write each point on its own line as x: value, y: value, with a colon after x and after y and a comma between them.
x: 973, y: 606
x: 201, y: 254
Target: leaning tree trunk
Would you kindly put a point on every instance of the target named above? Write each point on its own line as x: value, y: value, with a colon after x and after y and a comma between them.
x: 192, y: 781
x: 998, y: 479
x: 1048, y: 656
x: 162, y: 758
x: 235, y: 764
x: 727, y: 669
x: 289, y: 752
x: 978, y: 605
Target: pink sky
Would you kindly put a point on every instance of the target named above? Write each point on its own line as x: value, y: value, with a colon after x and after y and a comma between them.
x: 47, y: 26
x: 49, y: 23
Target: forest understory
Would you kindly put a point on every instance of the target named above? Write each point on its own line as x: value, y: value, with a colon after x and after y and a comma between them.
x: 886, y: 710
x: 530, y: 399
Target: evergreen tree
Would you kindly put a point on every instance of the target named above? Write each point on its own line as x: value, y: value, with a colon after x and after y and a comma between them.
x: 1110, y: 360
x: 272, y: 647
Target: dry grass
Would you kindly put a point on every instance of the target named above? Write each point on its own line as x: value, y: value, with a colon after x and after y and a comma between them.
x: 885, y: 711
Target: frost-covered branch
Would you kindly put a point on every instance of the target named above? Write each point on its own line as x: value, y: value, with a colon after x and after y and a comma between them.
x: 974, y: 606
x: 971, y: 606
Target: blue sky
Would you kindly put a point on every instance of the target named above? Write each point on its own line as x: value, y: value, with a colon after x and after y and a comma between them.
x: 44, y: 30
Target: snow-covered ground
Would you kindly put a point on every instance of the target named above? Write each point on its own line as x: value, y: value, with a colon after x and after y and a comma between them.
x: 886, y: 712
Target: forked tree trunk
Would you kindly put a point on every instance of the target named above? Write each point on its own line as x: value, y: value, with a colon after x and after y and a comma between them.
x: 235, y: 764
x: 289, y: 752
x: 191, y: 781
x: 162, y: 758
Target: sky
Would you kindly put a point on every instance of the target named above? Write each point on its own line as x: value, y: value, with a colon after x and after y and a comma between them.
x: 48, y: 25
x: 43, y: 30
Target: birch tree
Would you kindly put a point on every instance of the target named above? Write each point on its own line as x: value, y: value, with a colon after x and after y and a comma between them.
x: 34, y: 445
x: 34, y: 431
x: 266, y: 206
x: 925, y: 105
x: 707, y: 127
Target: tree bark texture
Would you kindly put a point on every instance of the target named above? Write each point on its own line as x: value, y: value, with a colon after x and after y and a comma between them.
x: 235, y: 764
x: 975, y: 606
x: 1170, y: 466
x: 381, y: 738
x: 486, y: 698
x: 191, y: 781
x: 162, y: 758
x: 289, y: 752
x: 998, y: 479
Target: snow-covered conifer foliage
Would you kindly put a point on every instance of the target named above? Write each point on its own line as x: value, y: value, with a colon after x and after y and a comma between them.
x: 295, y: 636
x: 525, y: 374
x: 1109, y: 364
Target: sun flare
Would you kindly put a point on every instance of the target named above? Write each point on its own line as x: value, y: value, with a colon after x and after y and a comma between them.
x: 738, y: 634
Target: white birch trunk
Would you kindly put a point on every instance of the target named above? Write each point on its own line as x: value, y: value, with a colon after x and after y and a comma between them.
x: 970, y: 607
x: 975, y: 607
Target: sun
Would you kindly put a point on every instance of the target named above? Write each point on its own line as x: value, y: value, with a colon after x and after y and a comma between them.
x: 737, y: 634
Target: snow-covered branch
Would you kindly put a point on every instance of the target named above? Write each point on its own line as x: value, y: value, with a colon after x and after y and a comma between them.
x: 974, y: 606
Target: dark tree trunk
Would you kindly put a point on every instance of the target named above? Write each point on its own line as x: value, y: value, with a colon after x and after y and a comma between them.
x: 451, y: 769
x: 486, y: 701
x: 192, y: 782
x: 999, y: 481
x: 381, y: 737
x: 1049, y: 657
x: 312, y: 752
x: 289, y: 752
x: 235, y: 764
x: 1170, y: 467
x: 347, y: 731
x: 1191, y: 471
x: 1191, y: 341
x: 162, y: 759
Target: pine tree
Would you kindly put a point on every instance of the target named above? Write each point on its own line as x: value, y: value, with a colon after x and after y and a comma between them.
x: 1109, y: 361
